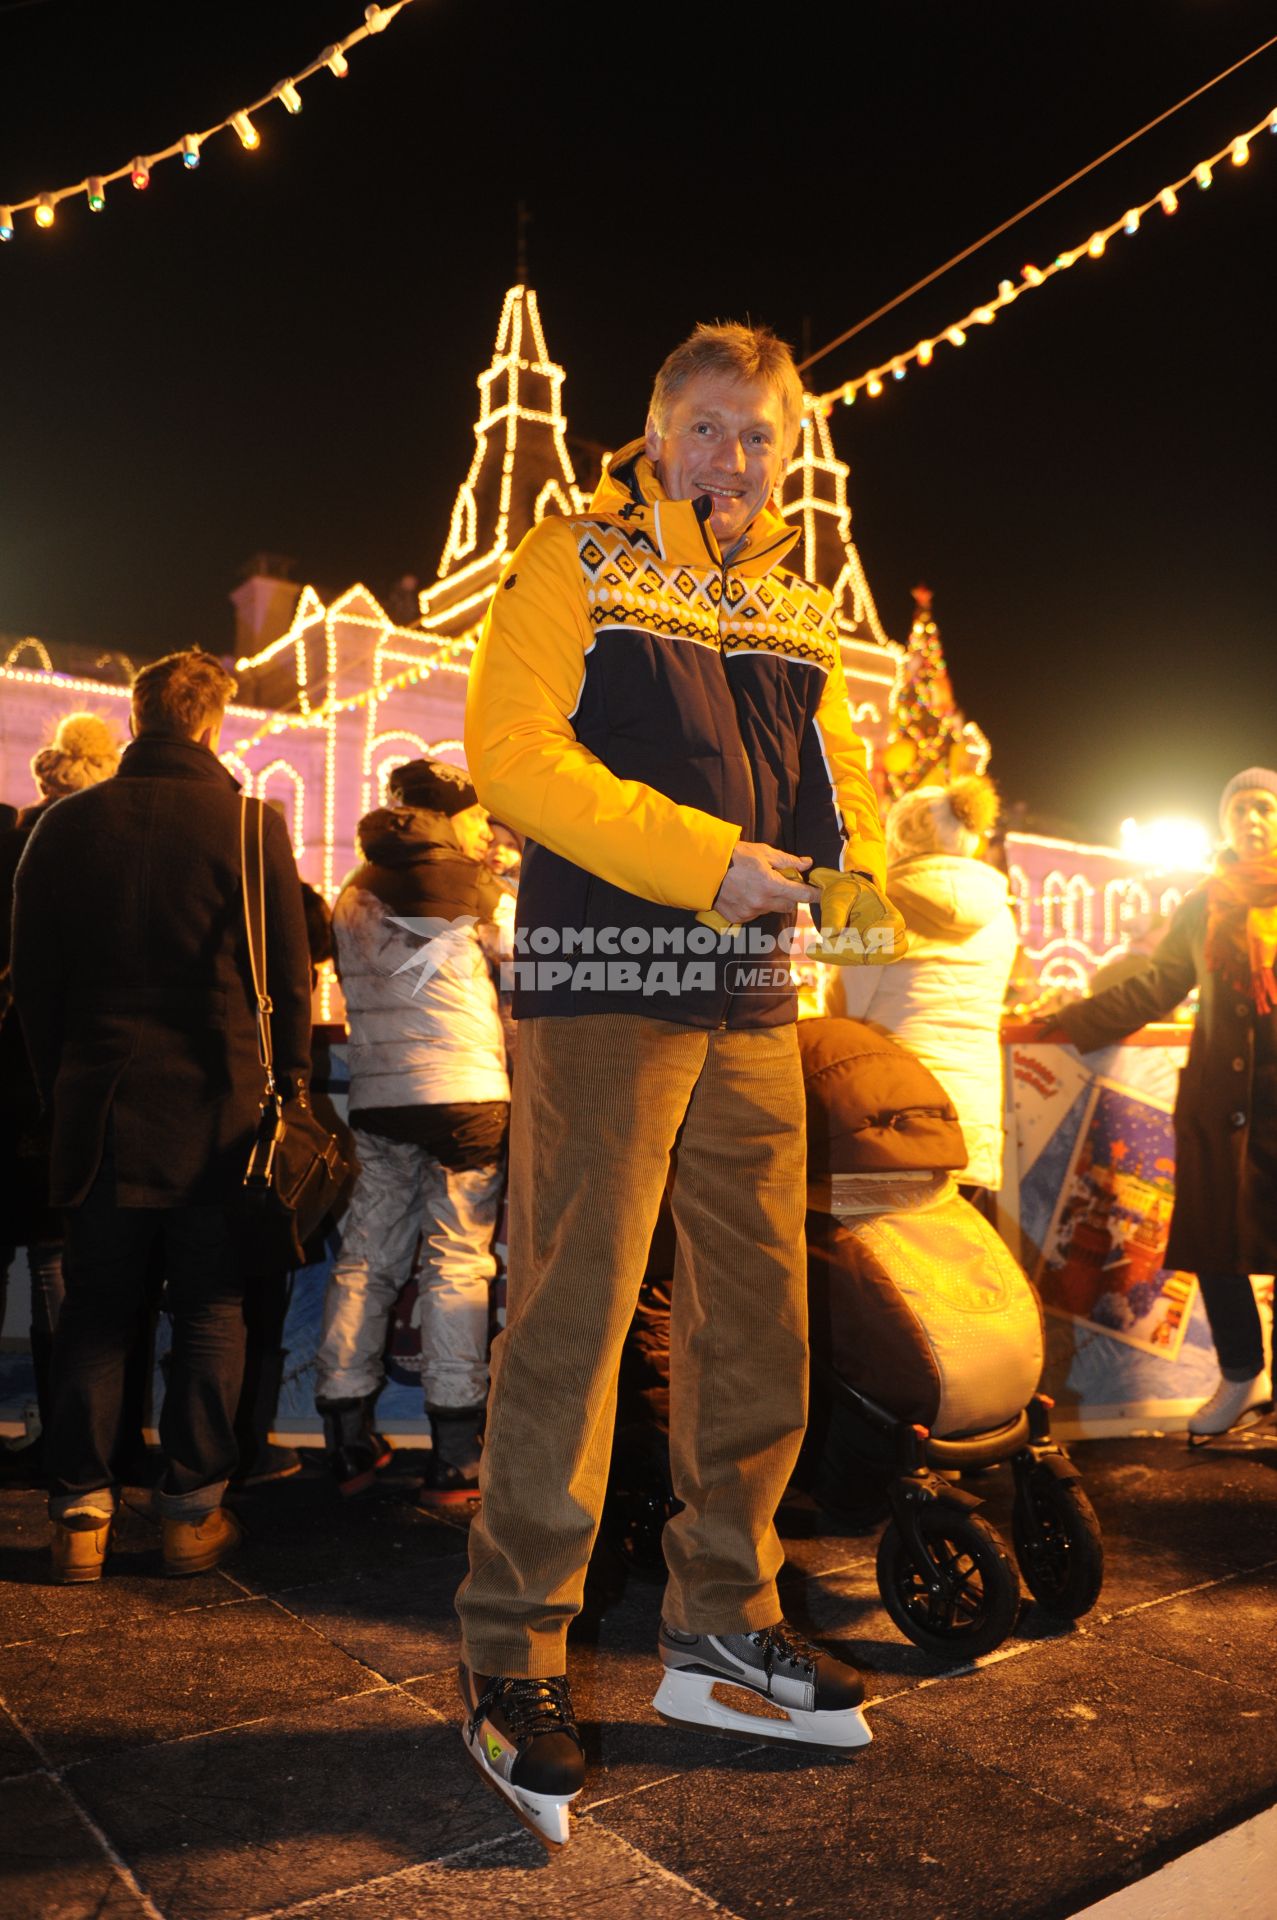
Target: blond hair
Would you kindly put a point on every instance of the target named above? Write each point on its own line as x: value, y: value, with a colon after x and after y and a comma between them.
x: 180, y: 695
x: 953, y: 819
x: 84, y: 750
x: 748, y: 354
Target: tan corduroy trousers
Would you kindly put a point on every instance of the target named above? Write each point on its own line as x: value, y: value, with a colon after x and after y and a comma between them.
x: 599, y: 1104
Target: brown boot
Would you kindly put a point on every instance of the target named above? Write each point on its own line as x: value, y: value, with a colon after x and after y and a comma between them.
x: 79, y: 1547
x: 193, y: 1546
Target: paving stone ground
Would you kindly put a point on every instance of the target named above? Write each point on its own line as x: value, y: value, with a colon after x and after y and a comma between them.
x: 280, y: 1736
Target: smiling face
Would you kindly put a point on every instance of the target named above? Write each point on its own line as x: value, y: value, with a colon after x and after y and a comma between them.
x: 725, y: 438
x: 1250, y: 823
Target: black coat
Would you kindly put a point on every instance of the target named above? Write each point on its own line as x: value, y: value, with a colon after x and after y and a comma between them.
x: 131, y: 973
x: 1225, y: 1215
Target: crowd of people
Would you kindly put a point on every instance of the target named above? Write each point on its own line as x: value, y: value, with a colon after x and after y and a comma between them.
x: 677, y: 754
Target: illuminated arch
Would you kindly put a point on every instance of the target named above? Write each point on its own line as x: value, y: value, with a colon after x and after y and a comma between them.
x: 1079, y: 896
x: 37, y: 647
x: 1054, y: 896
x: 280, y: 770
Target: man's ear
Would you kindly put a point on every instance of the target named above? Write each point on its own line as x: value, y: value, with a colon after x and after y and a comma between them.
x: 651, y: 440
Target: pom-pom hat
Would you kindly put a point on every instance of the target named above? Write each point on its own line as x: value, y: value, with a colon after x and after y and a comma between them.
x: 951, y: 819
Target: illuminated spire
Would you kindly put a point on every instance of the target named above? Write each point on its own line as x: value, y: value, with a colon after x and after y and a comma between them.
x: 521, y: 468
x: 814, y: 498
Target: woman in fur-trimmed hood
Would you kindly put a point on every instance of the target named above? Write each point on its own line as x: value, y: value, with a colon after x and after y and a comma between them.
x: 944, y: 999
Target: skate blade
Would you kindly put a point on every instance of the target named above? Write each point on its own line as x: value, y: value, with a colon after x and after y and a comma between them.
x: 543, y: 1814
x: 687, y: 1700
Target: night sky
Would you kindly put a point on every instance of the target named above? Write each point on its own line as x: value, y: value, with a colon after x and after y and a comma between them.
x: 278, y: 352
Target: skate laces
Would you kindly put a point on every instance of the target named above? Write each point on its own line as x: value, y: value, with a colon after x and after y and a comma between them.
x: 528, y: 1707
x: 782, y: 1645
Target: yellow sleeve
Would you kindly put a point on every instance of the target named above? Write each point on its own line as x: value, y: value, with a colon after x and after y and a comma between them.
x: 844, y: 757
x: 529, y: 768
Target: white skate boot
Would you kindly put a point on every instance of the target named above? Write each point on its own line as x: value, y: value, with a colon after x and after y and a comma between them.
x: 522, y: 1737
x: 1234, y: 1403
x: 820, y: 1696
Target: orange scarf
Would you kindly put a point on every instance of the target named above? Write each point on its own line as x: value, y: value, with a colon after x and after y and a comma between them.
x: 1241, y: 927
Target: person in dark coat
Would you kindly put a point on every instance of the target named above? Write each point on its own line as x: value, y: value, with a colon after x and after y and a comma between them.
x: 1223, y: 940
x: 132, y: 980
x: 83, y: 751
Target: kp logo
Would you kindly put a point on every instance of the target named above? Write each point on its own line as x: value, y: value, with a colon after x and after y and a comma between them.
x: 443, y: 941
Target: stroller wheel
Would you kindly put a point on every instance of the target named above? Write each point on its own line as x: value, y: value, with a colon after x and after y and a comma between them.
x: 965, y: 1602
x: 1058, y: 1544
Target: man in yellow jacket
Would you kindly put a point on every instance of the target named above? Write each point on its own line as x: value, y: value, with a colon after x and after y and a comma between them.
x: 660, y: 707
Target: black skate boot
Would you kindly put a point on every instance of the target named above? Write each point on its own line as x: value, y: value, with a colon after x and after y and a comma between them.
x: 522, y: 1735
x: 353, y: 1449
x: 452, y: 1477
x: 820, y: 1696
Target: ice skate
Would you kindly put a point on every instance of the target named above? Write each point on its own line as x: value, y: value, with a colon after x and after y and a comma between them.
x: 819, y: 1696
x: 521, y: 1735
x: 1234, y: 1403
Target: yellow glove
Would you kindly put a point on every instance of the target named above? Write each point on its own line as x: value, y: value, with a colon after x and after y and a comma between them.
x: 859, y: 927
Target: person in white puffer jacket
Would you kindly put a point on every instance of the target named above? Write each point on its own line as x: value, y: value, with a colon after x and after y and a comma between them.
x: 415, y: 932
x: 944, y: 999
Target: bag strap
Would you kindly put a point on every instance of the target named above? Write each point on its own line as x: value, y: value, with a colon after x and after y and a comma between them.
x: 253, y: 871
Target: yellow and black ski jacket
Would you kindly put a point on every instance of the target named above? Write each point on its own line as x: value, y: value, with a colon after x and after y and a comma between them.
x: 638, y: 703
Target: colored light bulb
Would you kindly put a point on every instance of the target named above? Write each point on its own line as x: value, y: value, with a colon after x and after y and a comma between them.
x: 336, y: 61
x: 140, y: 174
x: 1131, y: 222
x: 248, y: 134
x: 1203, y: 175
x: 873, y: 386
x: 97, y: 197
x: 45, y: 210
x: 6, y: 223
x: 1095, y: 245
x: 956, y: 337
x: 289, y: 98
x: 190, y: 152
x: 925, y: 350
x: 1241, y: 152
x: 1169, y: 199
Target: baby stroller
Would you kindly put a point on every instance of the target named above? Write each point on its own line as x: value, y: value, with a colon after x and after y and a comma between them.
x: 927, y: 1349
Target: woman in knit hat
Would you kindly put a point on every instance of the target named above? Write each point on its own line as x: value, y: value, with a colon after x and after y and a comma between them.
x: 944, y: 999
x: 1223, y: 939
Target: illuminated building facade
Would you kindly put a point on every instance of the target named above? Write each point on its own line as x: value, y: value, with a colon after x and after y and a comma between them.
x: 332, y: 695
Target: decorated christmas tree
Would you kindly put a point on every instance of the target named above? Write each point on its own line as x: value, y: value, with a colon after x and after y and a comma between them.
x: 931, y: 740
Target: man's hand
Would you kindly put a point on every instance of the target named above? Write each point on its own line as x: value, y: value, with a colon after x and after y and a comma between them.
x: 859, y: 927
x: 760, y: 879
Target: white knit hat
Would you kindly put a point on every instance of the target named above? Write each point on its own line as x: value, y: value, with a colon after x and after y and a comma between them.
x: 942, y: 819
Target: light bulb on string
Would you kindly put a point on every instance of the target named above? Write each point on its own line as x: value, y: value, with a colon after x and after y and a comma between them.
x: 248, y: 134
x: 1203, y: 175
x: 335, y: 61
x: 1241, y: 152
x: 190, y: 152
x: 956, y: 337
x: 849, y: 395
x: 140, y: 174
x: 1131, y: 221
x: 1006, y: 290
x: 375, y: 19
x: 897, y: 370
x: 1095, y: 245
x: 6, y: 223
x: 288, y: 97
x: 96, y: 194
x: 925, y: 350
x: 1169, y: 199
x: 1034, y: 276
x: 45, y: 210
x: 873, y: 386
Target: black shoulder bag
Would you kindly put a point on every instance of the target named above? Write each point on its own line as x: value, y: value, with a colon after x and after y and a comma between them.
x: 296, y: 1169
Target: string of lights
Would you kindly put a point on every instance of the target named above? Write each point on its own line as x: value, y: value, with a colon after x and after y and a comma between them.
x: 872, y: 382
x: 43, y: 206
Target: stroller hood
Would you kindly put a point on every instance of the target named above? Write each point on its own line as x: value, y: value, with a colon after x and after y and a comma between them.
x: 872, y: 1107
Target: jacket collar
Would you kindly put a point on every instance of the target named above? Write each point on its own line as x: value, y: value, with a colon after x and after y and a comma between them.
x: 631, y: 492
x: 153, y: 756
